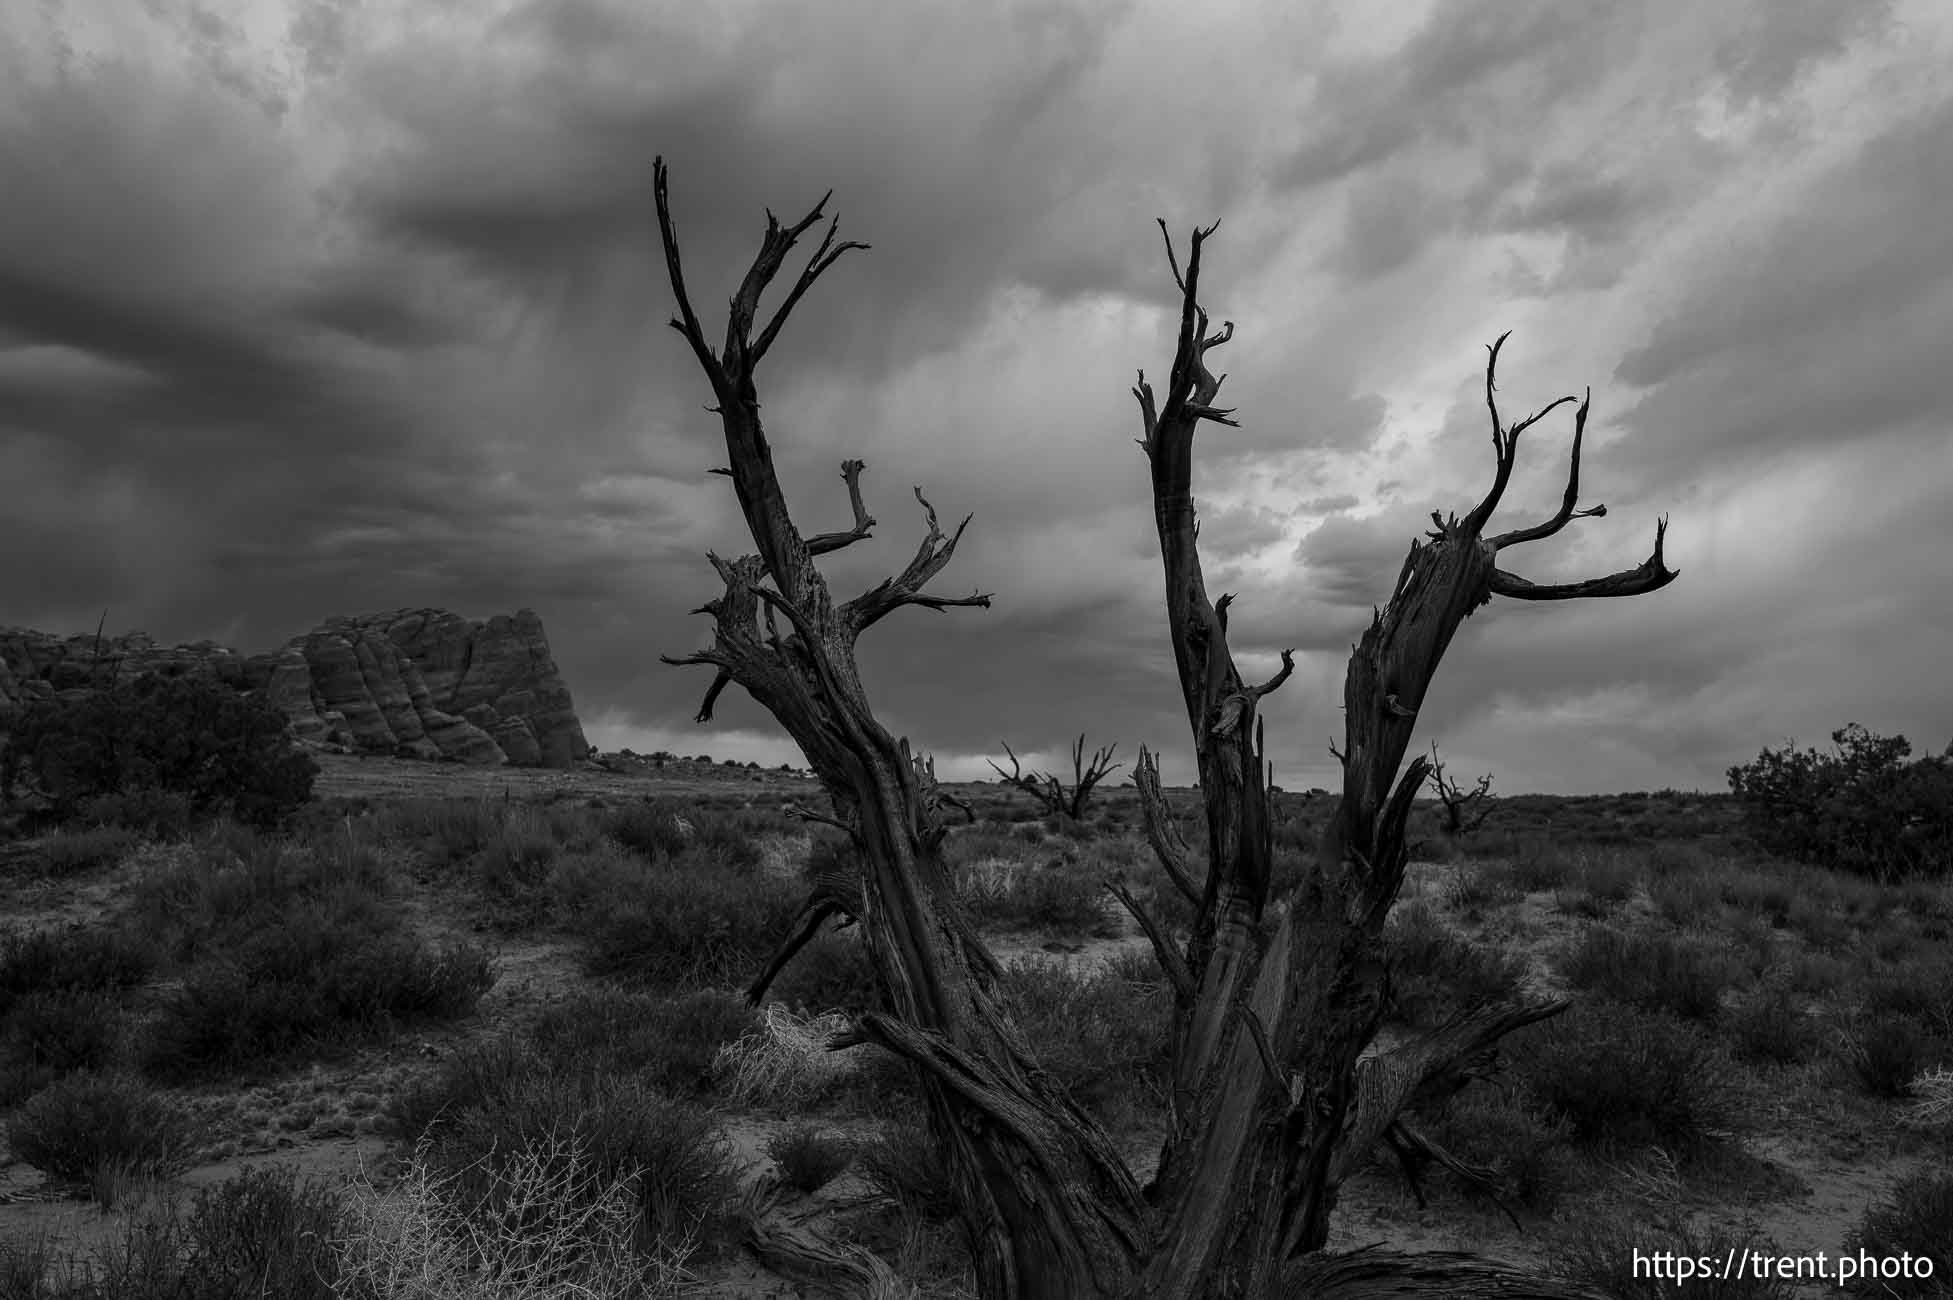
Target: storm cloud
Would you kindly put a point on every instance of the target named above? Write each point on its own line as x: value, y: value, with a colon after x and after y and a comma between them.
x: 312, y: 308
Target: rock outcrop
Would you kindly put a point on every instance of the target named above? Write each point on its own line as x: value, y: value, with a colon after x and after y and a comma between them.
x: 424, y: 683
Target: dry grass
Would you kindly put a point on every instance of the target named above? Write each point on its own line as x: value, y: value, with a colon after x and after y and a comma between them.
x: 1932, y: 1101
x: 545, y: 1230
x: 784, y: 1063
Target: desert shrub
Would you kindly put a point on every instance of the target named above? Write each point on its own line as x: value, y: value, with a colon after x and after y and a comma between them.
x: 808, y: 1158
x: 832, y: 973
x: 734, y: 837
x: 75, y: 849
x: 1921, y: 991
x: 1503, y: 1132
x: 1685, y: 899
x: 86, y: 1120
x: 586, y: 884
x: 1434, y: 972
x: 307, y: 983
x: 71, y: 960
x: 1287, y: 871
x: 662, y: 829
x: 191, y: 736
x: 26, y: 1268
x: 669, y: 1042
x: 231, y: 885
x: 1668, y: 859
x: 1863, y: 809
x: 1164, y: 902
x: 670, y: 1151
x: 1101, y: 1033
x: 47, y: 1036
x: 1473, y: 889
x: 161, y: 814
x: 471, y: 1078
x: 446, y: 830
x: 876, y: 1084
x: 1818, y: 974
x: 986, y: 839
x: 653, y: 829
x: 146, y: 1260
x: 1888, y: 1052
x: 784, y: 1062
x: 262, y: 1232
x: 1917, y: 1220
x: 1054, y: 897
x: 690, y: 919
x: 1610, y: 875
x: 1760, y: 893
x: 1529, y: 862
x: 902, y: 1165
x: 1602, y: 1253
x: 829, y: 854
x: 513, y: 871
x: 1818, y: 924
x: 540, y: 1221
x: 1657, y: 971
x: 1770, y: 1025
x: 1624, y: 1077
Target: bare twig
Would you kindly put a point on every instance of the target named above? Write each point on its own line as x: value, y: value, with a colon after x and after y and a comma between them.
x: 1052, y: 793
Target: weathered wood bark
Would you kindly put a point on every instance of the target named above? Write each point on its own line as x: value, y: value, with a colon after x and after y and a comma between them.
x: 1275, y: 999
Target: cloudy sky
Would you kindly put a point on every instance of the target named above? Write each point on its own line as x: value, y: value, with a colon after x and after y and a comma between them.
x: 324, y: 306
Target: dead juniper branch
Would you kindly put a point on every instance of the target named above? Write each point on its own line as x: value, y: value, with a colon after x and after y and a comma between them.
x: 1464, y: 811
x: 1050, y: 792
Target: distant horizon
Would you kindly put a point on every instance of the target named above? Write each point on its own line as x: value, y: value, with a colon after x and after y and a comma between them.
x: 1125, y: 783
x: 309, y: 309
x: 1176, y: 766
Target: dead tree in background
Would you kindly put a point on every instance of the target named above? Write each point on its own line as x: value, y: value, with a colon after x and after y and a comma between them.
x: 1464, y: 810
x: 1274, y: 998
x: 1050, y: 792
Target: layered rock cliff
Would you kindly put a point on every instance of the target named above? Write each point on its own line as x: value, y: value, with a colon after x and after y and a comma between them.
x: 424, y: 682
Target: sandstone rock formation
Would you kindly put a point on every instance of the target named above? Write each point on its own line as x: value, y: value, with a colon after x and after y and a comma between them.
x: 424, y: 682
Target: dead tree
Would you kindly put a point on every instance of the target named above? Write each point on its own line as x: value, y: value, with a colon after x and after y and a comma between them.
x: 1277, y: 999
x: 1464, y: 810
x: 1050, y: 1206
x: 1273, y: 1003
x: 1050, y: 792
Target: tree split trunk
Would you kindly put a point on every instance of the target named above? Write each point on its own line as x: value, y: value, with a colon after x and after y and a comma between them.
x: 1273, y: 1102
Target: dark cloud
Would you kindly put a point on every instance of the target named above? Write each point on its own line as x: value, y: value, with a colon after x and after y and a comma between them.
x: 1354, y: 561
x: 1469, y: 62
x: 356, y: 307
x: 539, y: 171
x: 1823, y: 325
x: 1774, y: 45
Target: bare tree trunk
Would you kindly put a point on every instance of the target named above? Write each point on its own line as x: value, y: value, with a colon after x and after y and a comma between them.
x: 1275, y: 999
